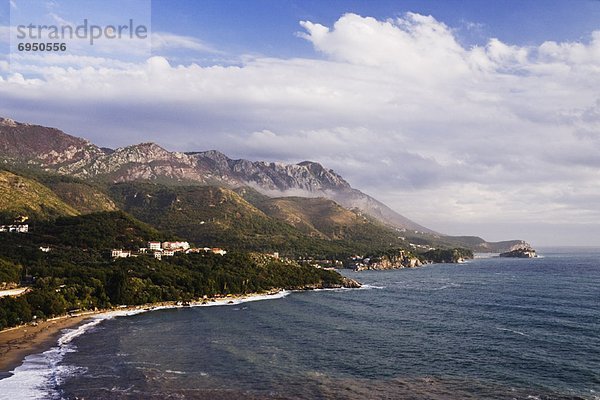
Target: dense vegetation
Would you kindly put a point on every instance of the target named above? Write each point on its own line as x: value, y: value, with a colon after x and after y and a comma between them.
x: 78, y: 273
x: 447, y: 255
x: 10, y: 273
x: 82, y: 196
x: 66, y: 286
x: 23, y: 196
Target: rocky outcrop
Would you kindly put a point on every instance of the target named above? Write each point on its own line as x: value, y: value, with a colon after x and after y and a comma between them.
x: 402, y: 259
x: 350, y: 283
x: 451, y: 256
x: 520, y: 252
x: 346, y: 283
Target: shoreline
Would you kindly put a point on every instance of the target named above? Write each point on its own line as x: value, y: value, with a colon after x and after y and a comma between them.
x: 21, y: 341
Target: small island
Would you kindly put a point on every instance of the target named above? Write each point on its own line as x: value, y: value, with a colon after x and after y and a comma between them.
x: 520, y: 252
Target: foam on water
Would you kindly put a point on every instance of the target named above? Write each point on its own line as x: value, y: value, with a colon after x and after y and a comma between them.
x: 40, y: 374
x: 367, y: 287
x: 512, y: 331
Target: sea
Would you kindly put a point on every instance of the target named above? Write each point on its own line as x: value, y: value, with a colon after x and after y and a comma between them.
x: 491, y: 328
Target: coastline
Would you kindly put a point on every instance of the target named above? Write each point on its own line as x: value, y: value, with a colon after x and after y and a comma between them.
x: 19, y: 342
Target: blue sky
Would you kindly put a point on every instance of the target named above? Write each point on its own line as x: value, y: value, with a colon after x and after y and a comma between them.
x: 267, y: 27
x: 470, y: 117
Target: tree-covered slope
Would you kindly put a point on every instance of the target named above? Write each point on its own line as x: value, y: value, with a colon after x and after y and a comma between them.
x: 21, y: 196
x: 84, y: 197
x: 324, y: 218
x: 75, y: 271
x: 215, y: 216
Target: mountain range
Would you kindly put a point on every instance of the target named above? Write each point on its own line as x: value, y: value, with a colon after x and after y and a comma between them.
x: 210, y: 194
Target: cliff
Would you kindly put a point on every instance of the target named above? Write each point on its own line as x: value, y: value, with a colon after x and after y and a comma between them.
x: 401, y: 259
x: 520, y: 253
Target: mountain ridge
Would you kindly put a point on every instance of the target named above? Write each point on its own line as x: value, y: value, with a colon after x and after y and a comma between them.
x: 78, y: 157
x: 56, y: 151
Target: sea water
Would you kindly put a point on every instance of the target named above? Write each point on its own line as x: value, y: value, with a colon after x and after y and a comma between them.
x: 492, y: 328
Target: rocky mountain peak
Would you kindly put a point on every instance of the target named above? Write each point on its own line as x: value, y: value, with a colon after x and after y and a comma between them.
x: 8, y: 122
x: 54, y: 149
x: 329, y: 179
x: 42, y: 145
x: 213, y: 155
x: 216, y: 159
x: 146, y: 153
x: 146, y: 147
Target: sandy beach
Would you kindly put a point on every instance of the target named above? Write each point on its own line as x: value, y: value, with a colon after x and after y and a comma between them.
x: 17, y: 343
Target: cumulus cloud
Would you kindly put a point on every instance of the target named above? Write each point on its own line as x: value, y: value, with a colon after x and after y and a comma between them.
x: 414, y: 46
x: 451, y: 136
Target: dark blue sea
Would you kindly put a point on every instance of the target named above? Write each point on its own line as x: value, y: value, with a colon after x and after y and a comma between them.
x: 492, y: 328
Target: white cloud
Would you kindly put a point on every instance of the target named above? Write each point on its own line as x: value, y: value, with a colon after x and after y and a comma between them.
x: 415, y: 46
x: 443, y: 133
x: 168, y: 41
x: 57, y: 19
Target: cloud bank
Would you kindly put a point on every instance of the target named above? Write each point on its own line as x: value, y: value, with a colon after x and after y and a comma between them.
x: 497, y: 136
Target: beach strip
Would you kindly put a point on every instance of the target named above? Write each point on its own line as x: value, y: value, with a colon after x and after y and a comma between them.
x: 19, y: 342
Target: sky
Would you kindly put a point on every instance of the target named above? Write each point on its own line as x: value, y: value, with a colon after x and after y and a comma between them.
x: 469, y: 117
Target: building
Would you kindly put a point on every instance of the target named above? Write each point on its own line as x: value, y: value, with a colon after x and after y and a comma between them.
x: 216, y: 250
x: 168, y: 253
x: 175, y: 246
x: 45, y: 249
x: 119, y: 253
x: 154, y: 246
x: 21, y: 228
x: 158, y: 255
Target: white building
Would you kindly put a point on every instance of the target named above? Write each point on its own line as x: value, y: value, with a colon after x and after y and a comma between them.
x: 154, y: 245
x: 22, y: 228
x: 119, y: 253
x: 158, y: 255
x: 175, y: 245
x: 168, y: 253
